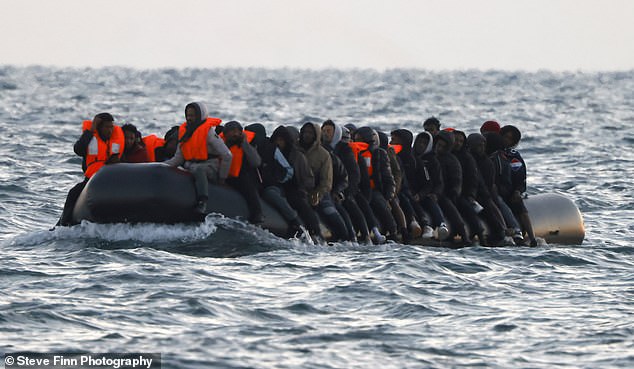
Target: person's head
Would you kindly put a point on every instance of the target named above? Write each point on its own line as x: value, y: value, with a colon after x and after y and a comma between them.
x: 490, y: 126
x: 511, y: 136
x: 308, y: 135
x: 132, y: 136
x: 423, y: 143
x: 233, y: 133
x: 402, y: 137
x: 327, y: 132
x: 383, y: 140
x: 171, y: 141
x: 459, y: 140
x: 345, y: 135
x: 444, y: 142
x: 104, y: 124
x: 282, y: 139
x: 352, y: 128
x: 367, y: 135
x: 432, y: 125
x: 477, y: 144
x: 494, y: 142
x: 196, y: 113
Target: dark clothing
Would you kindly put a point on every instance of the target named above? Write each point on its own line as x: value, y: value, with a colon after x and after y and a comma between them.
x: 518, y: 170
x: 67, y: 214
x: 428, y: 179
x: 470, y: 173
x: 382, y: 174
x: 81, y: 147
x: 451, y: 174
x: 345, y: 154
x: 502, y: 170
x: 138, y: 154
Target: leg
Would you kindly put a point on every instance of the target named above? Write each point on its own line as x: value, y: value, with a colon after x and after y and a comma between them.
x: 66, y: 218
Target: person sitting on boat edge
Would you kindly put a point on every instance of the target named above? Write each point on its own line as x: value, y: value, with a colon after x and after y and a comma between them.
x: 161, y: 149
x: 101, y: 143
x: 244, y: 162
x: 135, y: 151
x: 511, y: 136
x: 320, y: 164
x: 201, y: 151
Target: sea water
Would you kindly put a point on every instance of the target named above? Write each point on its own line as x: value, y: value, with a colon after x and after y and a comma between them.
x: 225, y: 294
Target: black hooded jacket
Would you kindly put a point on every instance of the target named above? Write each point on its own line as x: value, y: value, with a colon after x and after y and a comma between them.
x: 450, y: 167
x: 272, y: 173
x: 470, y: 173
x: 381, y: 170
x: 501, y: 164
x: 428, y: 178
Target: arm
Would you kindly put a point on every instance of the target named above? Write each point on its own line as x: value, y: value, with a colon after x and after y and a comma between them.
x: 216, y: 146
x: 177, y: 159
x: 251, y: 154
x: 81, y: 145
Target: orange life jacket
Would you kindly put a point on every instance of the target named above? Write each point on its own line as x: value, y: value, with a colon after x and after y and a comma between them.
x: 196, y: 147
x: 151, y: 143
x: 238, y: 154
x: 362, y: 148
x: 99, y: 150
x: 397, y: 148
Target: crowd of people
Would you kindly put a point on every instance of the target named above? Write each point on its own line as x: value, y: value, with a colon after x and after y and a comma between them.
x: 367, y: 186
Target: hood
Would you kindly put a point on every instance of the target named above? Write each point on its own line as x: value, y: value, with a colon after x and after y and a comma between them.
x: 430, y: 143
x: 475, y: 139
x: 464, y: 139
x: 201, y: 114
x: 367, y: 135
x: 337, y: 136
x: 406, y: 136
x: 447, y: 137
x: 294, y: 132
x: 286, y: 135
x: 317, y: 129
x: 260, y: 133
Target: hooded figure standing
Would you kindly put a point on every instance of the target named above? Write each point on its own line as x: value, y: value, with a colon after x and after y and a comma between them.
x: 201, y: 151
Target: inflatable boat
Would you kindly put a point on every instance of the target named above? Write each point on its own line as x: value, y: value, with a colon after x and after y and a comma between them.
x: 158, y: 193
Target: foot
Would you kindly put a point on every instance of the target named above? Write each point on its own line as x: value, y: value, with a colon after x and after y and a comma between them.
x: 414, y: 229
x: 428, y: 232
x: 442, y: 232
x: 518, y: 238
x: 201, y: 206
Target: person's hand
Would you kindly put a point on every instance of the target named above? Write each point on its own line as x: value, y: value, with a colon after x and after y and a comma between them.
x: 113, y: 159
x: 314, y: 198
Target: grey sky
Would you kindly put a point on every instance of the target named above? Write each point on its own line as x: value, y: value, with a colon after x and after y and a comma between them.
x: 448, y: 34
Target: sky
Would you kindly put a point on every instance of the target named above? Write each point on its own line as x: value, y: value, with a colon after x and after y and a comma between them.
x: 558, y: 35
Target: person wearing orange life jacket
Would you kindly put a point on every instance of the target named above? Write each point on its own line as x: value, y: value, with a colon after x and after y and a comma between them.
x: 161, y: 149
x: 244, y: 162
x: 101, y: 143
x: 381, y: 179
x: 201, y: 151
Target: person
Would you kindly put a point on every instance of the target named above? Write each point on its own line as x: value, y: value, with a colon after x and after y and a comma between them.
x: 201, y: 151
x: 330, y: 135
x: 427, y: 185
x: 101, y: 143
x: 397, y: 211
x: 382, y: 185
x: 487, y: 191
x: 161, y: 149
x: 135, y: 150
x: 503, y: 182
x: 401, y: 140
x: 452, y: 185
x: 511, y: 137
x: 244, y: 162
x: 466, y: 201
x: 432, y: 125
x: 320, y: 163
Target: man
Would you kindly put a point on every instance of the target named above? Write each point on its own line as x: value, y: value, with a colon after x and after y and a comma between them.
x: 320, y: 163
x: 244, y: 162
x: 101, y: 143
x: 135, y: 151
x: 201, y: 151
x: 432, y: 125
x: 161, y: 149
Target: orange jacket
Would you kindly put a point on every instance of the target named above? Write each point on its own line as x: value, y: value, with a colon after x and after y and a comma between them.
x: 238, y: 154
x: 99, y: 150
x: 152, y: 142
x: 196, y: 147
x: 362, y: 149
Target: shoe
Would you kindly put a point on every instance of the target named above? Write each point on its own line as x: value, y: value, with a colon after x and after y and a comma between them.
x: 201, y: 206
x: 428, y: 232
x: 414, y: 229
x: 442, y: 232
x: 508, y: 241
x: 257, y: 219
x: 378, y: 237
x: 533, y: 242
x: 518, y: 238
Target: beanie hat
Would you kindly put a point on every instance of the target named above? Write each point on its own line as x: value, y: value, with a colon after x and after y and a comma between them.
x: 490, y: 126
